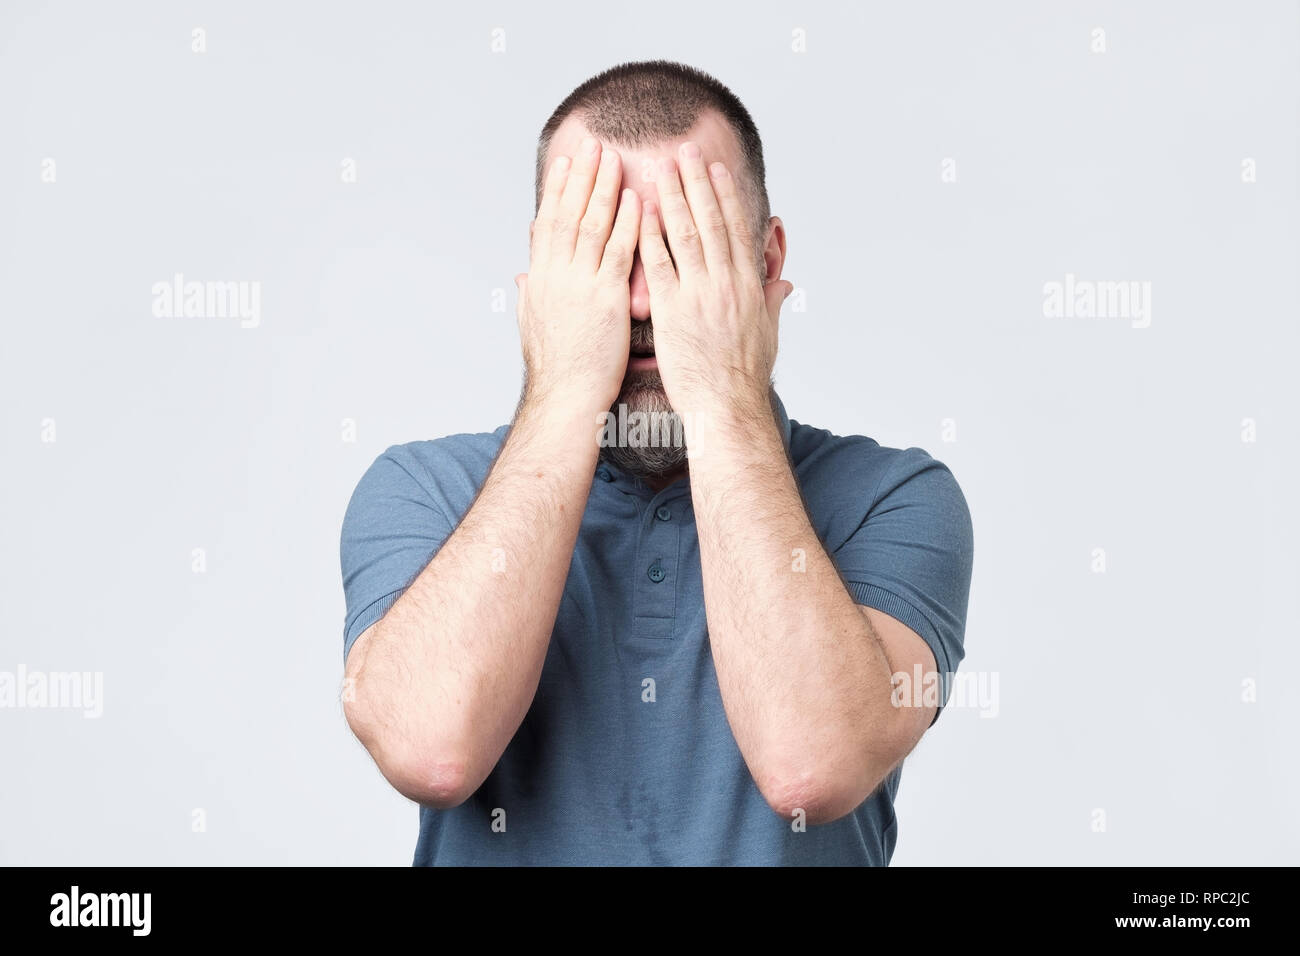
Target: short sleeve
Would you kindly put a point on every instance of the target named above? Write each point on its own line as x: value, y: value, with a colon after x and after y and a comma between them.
x: 391, y: 530
x: 911, y: 557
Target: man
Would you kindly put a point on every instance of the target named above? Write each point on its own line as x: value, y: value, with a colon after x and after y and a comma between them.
x: 572, y: 647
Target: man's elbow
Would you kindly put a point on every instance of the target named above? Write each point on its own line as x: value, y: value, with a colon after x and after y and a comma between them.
x: 430, y: 781
x: 809, y: 796
x: 434, y: 774
x: 823, y: 794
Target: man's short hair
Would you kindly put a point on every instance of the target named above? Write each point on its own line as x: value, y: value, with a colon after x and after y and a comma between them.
x: 637, y: 105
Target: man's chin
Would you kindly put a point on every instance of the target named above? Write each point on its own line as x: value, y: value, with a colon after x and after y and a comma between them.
x: 644, y: 392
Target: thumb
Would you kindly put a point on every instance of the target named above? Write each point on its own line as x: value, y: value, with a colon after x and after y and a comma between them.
x: 521, y: 283
x: 776, y: 293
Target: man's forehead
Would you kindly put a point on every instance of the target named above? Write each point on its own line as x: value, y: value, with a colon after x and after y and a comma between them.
x: 710, y: 132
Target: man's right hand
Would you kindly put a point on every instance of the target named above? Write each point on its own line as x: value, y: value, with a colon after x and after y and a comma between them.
x: 574, y: 311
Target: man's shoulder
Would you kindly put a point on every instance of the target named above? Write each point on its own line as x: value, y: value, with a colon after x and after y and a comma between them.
x: 471, y: 451
x: 449, y: 469
x: 852, y: 483
x: 840, y: 467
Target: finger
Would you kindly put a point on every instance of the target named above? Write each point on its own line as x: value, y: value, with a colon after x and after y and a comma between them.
x: 704, y: 208
x: 593, y: 233
x: 616, y: 265
x: 679, y: 228
x: 733, y: 214
x: 540, y: 232
x: 660, y: 275
x: 573, y: 204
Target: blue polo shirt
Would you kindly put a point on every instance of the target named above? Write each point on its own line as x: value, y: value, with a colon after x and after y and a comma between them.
x: 602, y: 770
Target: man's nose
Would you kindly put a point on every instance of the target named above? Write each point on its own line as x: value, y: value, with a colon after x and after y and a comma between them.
x: 639, y: 291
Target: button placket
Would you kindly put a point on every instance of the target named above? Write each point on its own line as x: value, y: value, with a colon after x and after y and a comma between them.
x: 657, y: 561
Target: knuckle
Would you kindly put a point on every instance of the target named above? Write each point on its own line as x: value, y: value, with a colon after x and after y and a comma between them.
x: 590, y: 233
x: 662, y: 268
x: 617, y: 257
x: 686, y: 234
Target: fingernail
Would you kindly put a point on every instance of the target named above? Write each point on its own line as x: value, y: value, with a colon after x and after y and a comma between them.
x: 590, y: 145
x: 718, y: 170
x: 690, y: 151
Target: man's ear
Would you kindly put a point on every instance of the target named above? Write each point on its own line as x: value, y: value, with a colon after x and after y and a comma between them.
x: 774, y: 251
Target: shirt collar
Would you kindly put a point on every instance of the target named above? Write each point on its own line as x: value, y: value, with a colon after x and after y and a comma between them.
x: 782, y: 418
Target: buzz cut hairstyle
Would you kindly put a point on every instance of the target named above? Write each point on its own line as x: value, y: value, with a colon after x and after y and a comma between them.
x: 641, y: 104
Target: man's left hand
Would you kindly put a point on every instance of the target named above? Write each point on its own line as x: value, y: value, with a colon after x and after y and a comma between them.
x: 715, y: 319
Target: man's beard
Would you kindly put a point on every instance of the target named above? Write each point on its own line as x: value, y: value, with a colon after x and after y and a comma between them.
x: 644, y: 392
x: 666, y: 452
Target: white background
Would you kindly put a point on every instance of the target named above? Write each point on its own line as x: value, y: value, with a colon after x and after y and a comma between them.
x: 1119, y: 691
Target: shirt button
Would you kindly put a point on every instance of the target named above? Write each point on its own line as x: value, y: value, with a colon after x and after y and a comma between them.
x: 656, y: 573
x: 605, y: 475
x: 663, y: 513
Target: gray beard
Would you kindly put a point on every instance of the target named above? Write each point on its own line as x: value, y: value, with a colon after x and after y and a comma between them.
x: 644, y: 392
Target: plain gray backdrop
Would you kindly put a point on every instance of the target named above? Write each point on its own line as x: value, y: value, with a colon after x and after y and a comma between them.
x: 174, y: 486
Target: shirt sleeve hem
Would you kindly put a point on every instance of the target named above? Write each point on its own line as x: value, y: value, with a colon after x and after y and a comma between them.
x: 371, y: 613
x: 902, y: 610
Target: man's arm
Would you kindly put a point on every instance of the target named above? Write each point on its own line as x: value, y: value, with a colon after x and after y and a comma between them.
x: 442, y: 682
x: 804, y: 673
x: 444, y: 679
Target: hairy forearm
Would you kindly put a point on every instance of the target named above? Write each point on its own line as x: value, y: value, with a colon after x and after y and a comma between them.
x: 805, y: 684
x: 446, y: 677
